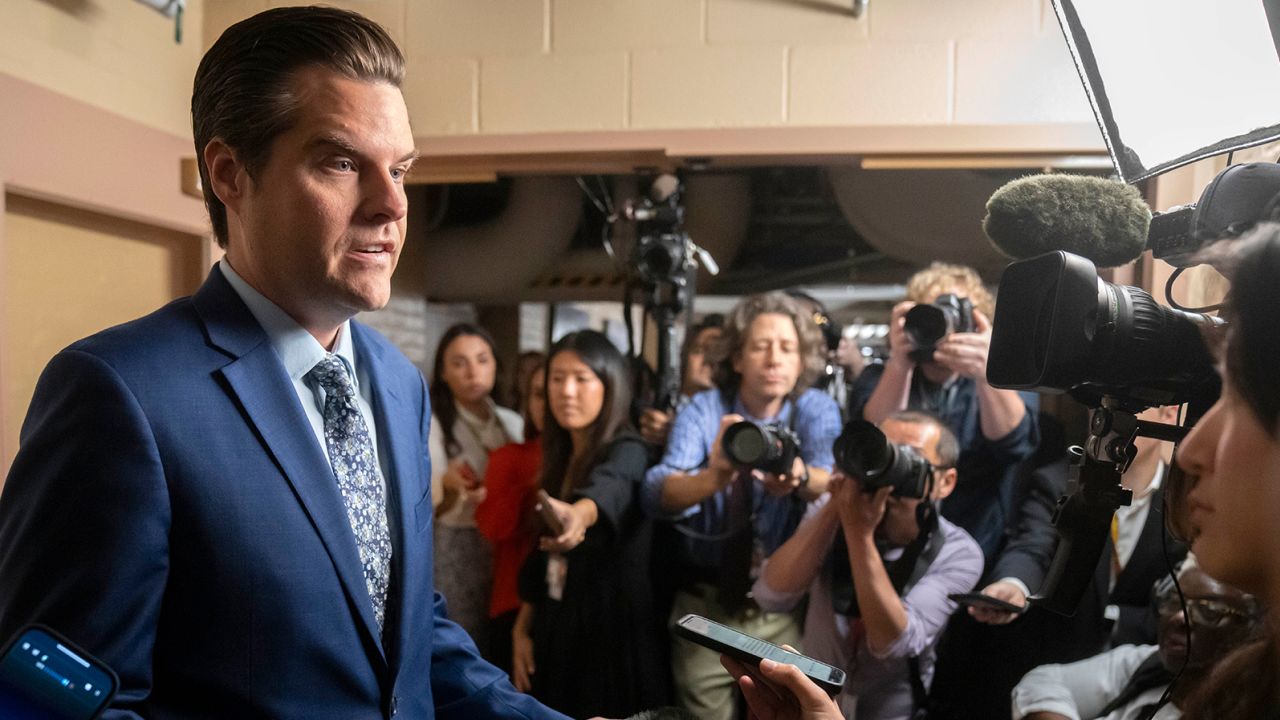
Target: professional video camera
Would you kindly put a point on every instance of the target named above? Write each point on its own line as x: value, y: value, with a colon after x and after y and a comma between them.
x: 1059, y: 328
x: 662, y: 265
x: 927, y: 325
x: 771, y: 447
x: 863, y: 452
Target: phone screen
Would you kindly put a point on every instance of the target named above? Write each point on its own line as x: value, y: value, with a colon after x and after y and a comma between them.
x: 751, y: 649
x: 45, y: 676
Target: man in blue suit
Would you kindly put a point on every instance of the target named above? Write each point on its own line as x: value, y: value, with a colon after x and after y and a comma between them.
x: 228, y: 500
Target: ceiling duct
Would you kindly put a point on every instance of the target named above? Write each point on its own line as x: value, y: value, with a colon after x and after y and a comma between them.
x: 917, y: 216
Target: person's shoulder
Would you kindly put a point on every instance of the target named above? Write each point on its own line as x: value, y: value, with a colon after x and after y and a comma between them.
x: 959, y: 544
x: 158, y: 337
x: 707, y: 403
x: 813, y: 401
x: 511, y: 420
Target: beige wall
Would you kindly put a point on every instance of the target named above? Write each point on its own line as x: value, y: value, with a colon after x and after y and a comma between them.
x: 531, y: 66
x: 117, y: 55
x: 68, y: 273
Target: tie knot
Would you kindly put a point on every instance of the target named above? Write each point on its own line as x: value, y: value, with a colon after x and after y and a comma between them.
x: 331, y: 374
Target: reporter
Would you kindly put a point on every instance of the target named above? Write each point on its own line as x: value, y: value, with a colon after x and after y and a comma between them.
x: 734, y: 517
x: 465, y: 425
x: 697, y: 374
x: 584, y: 641
x: 996, y: 428
x: 1232, y: 456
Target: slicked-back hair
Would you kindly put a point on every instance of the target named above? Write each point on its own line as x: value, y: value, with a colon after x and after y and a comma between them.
x: 737, y: 326
x: 243, y: 93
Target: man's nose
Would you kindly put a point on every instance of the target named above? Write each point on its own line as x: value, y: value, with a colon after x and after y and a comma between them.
x: 384, y: 198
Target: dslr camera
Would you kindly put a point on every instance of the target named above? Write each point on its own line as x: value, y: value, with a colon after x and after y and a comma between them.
x: 928, y: 325
x: 863, y: 452
x: 771, y: 447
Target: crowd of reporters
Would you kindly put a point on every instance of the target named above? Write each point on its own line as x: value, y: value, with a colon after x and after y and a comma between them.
x: 647, y: 517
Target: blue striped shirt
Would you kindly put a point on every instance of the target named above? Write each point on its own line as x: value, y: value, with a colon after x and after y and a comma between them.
x: 817, y: 424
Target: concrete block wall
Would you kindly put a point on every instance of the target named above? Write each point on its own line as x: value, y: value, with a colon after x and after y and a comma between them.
x: 528, y: 66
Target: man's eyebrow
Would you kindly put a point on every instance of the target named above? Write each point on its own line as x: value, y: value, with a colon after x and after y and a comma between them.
x: 340, y: 143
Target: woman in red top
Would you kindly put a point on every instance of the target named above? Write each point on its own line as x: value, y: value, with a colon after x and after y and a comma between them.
x: 504, y: 518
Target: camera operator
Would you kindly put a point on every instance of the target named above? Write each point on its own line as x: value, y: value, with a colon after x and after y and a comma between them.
x: 996, y: 428
x: 696, y: 375
x: 732, y: 516
x: 904, y: 562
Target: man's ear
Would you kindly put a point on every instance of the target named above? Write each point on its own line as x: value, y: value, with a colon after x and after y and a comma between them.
x: 228, y: 177
x: 946, y: 483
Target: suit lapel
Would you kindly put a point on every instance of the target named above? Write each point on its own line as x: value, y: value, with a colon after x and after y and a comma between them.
x: 260, y: 384
x: 401, y: 449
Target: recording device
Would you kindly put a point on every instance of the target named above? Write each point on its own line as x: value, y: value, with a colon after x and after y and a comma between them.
x: 862, y: 451
x: 555, y: 528
x: 662, y: 265
x: 751, y: 650
x: 1108, y: 222
x: 927, y: 325
x: 43, y: 675
x: 1235, y: 200
x: 1059, y: 327
x: 769, y: 447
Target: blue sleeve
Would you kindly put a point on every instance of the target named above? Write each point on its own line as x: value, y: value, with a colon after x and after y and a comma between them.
x: 1021, y: 442
x: 87, y: 504
x: 687, y: 450
x: 465, y: 687
x: 819, y: 425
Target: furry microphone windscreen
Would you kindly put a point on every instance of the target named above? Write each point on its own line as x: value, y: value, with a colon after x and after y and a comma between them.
x: 1105, y: 221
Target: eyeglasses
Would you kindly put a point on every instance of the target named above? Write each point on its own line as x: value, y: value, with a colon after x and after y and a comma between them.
x: 1206, y: 613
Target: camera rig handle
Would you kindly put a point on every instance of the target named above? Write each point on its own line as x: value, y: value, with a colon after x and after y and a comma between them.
x: 1083, y: 516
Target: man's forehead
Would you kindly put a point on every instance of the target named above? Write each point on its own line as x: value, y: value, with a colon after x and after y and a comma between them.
x: 921, y: 436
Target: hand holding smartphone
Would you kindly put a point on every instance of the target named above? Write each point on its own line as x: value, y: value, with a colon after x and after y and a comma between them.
x: 549, y: 517
x: 987, y: 601
x: 750, y: 650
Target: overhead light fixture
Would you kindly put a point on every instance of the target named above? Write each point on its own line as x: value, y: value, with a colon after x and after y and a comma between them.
x: 1099, y: 161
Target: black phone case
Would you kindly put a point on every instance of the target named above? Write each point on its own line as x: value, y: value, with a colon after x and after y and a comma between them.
x: 59, y: 637
x: 743, y: 656
x: 972, y: 599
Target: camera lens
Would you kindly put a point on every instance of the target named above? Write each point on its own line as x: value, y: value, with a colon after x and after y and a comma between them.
x: 926, y: 325
x: 745, y: 444
x: 863, y: 452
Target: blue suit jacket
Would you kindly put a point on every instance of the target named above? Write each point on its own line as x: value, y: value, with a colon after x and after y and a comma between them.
x: 171, y: 510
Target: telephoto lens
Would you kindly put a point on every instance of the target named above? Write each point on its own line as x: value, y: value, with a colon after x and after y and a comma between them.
x: 927, y: 325
x: 863, y: 452
x: 771, y: 448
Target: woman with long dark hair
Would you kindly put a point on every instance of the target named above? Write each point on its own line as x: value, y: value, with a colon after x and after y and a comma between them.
x: 1231, y: 509
x: 584, y: 641
x: 466, y: 425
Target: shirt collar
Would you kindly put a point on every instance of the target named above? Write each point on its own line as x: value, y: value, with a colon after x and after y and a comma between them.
x: 299, y: 351
x: 783, y: 414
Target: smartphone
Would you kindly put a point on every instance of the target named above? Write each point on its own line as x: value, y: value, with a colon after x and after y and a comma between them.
x: 750, y: 650
x: 981, y: 600
x: 548, y: 513
x: 43, y: 675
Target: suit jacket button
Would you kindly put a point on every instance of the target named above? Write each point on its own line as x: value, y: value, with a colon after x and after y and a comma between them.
x: 395, y: 701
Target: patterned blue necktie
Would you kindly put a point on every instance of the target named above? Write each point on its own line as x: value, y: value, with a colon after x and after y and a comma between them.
x: 356, y: 467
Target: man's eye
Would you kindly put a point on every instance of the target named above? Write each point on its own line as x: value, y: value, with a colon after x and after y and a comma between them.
x: 344, y: 165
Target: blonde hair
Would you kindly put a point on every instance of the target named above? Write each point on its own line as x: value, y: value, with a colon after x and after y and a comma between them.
x: 940, y: 278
